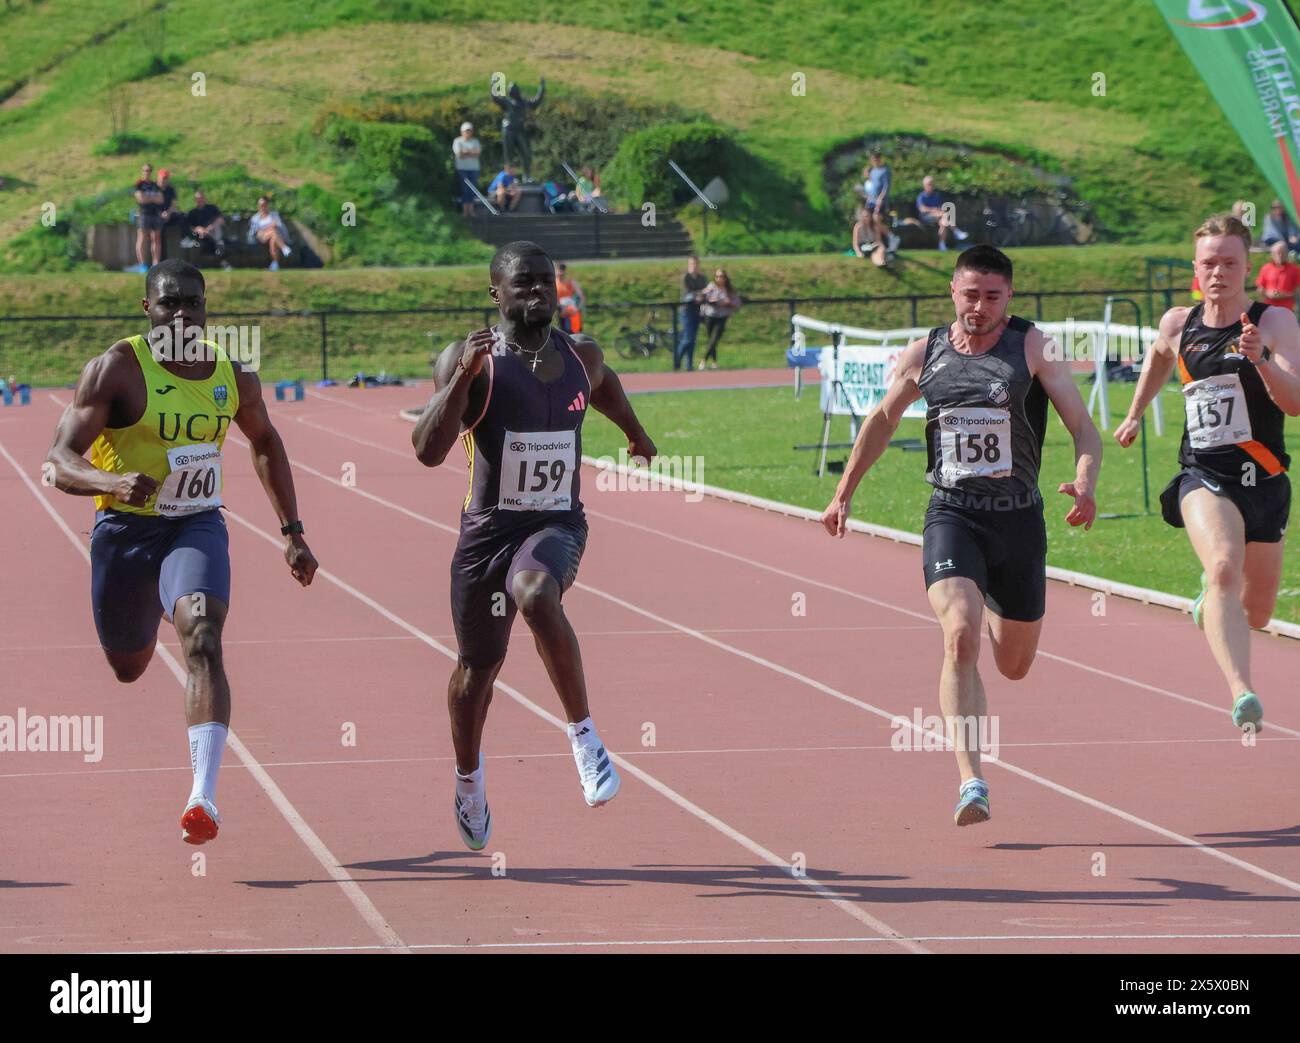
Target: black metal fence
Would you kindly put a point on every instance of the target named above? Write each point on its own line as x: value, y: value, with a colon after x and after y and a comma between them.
x: 50, y: 350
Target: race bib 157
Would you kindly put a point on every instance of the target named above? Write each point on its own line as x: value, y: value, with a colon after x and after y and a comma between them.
x: 1216, y: 412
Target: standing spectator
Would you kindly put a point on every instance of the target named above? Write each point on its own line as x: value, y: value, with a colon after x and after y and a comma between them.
x: 466, y: 149
x: 266, y: 226
x: 570, y: 298
x: 207, y: 228
x: 1278, y: 227
x: 169, y: 212
x: 931, y: 212
x: 504, y: 187
x: 149, y: 220
x: 693, y: 285
x: 1278, y: 279
x: 720, y: 302
x: 876, y: 192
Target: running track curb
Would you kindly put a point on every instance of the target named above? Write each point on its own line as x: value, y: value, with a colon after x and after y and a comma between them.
x: 1147, y: 596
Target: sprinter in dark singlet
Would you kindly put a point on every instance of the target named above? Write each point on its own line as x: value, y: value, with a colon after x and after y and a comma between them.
x: 1239, y: 363
x: 986, y: 380
x: 515, y: 395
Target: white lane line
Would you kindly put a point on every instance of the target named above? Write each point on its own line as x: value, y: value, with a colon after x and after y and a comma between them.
x: 659, y: 787
x: 834, y: 693
x: 659, y: 752
x: 857, y: 595
x: 1121, y: 678
x: 306, y: 834
x: 659, y: 943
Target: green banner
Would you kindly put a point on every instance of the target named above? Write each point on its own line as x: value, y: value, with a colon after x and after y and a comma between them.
x: 1248, y: 53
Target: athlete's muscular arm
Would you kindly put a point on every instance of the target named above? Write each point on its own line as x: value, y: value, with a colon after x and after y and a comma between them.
x: 1054, y: 374
x: 272, y: 466
x: 1156, y: 368
x: 461, y: 394
x: 101, y: 384
x: 877, y: 430
x: 608, y: 397
x: 1281, y: 373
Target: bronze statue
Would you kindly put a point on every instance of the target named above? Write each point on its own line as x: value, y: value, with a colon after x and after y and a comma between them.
x: 514, y: 135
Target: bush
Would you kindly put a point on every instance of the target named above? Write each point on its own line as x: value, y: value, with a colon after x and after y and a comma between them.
x: 639, y: 171
x: 403, y: 152
x: 127, y: 144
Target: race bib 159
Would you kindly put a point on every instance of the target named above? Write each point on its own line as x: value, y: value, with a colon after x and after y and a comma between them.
x: 537, y: 470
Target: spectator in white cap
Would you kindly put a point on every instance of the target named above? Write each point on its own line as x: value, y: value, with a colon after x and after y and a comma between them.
x: 466, y: 149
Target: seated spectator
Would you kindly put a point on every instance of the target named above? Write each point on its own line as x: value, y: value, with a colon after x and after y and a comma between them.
x: 266, y: 226
x: 587, y: 191
x: 207, y: 228
x: 570, y: 297
x: 551, y: 196
x: 149, y: 222
x: 504, y: 189
x: 466, y: 149
x: 931, y: 212
x: 1278, y: 279
x: 863, y: 236
x: 1278, y: 227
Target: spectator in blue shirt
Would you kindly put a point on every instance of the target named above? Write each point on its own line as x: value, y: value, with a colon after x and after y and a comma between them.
x: 1278, y: 227
x: 505, y: 187
x: 931, y: 212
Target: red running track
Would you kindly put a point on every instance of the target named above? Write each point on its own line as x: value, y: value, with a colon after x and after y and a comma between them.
x: 771, y: 813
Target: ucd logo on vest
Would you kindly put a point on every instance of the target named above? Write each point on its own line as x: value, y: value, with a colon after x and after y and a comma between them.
x: 219, y: 395
x: 198, y: 427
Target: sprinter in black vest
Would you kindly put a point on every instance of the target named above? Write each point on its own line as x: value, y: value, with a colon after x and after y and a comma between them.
x: 515, y: 397
x: 1239, y: 363
x: 986, y: 380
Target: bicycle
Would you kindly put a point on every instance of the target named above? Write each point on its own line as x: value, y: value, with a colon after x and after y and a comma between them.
x: 640, y: 342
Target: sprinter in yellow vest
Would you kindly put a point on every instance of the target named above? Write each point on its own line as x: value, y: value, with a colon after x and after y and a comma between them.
x: 155, y: 422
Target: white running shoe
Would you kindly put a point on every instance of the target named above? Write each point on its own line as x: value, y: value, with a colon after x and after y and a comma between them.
x: 597, y: 774
x: 473, y: 817
x: 199, y: 821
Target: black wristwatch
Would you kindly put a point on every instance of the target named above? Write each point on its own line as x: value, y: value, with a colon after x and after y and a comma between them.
x: 1265, y: 355
x: 292, y: 529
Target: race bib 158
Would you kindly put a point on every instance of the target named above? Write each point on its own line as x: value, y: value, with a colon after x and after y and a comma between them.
x: 974, y: 442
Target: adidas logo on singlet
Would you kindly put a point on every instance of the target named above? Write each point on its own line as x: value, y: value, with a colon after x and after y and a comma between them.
x: 578, y: 404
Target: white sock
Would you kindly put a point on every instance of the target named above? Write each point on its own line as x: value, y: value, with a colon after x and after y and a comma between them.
x: 207, y: 743
x: 583, y: 733
x: 471, y: 783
